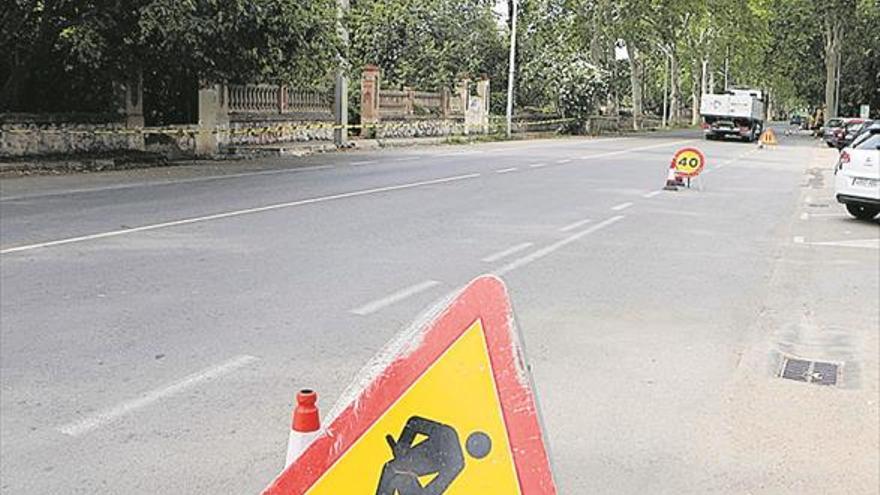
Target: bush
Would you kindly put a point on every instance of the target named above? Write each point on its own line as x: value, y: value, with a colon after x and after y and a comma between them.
x: 580, y: 85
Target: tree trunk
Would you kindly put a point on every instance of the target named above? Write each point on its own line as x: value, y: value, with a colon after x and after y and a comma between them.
x: 635, y: 79
x: 695, y: 92
x: 711, y: 83
x: 832, y: 33
x: 674, y: 91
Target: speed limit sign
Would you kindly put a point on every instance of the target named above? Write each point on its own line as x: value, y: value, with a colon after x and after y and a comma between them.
x: 688, y: 162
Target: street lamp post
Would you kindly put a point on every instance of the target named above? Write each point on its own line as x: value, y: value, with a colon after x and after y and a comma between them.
x: 510, y: 69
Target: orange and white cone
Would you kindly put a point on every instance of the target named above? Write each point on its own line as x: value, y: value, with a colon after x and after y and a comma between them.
x: 671, y: 180
x: 305, y: 424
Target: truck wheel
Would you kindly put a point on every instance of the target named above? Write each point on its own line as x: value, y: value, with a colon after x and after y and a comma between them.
x: 862, y: 212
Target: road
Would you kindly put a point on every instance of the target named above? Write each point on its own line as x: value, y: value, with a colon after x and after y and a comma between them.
x: 157, y: 323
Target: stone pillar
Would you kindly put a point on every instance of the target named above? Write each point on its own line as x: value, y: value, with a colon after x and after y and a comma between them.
x: 213, y: 118
x: 370, y: 85
x: 134, y: 101
x: 444, y: 103
x: 483, y: 95
x: 463, y: 92
x: 463, y: 95
x: 409, y: 103
x: 282, y: 98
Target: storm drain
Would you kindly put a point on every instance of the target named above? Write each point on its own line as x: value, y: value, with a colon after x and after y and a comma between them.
x: 802, y: 370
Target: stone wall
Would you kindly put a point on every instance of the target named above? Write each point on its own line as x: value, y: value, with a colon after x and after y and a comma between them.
x: 25, y: 135
x: 391, y: 113
x: 420, y: 128
x: 255, y: 130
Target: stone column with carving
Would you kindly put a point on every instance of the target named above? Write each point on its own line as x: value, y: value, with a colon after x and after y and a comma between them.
x: 370, y: 85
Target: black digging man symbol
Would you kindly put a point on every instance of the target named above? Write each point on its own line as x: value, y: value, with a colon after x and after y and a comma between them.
x: 437, y: 458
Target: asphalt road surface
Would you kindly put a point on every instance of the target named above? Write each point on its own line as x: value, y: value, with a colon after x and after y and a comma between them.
x: 157, y: 323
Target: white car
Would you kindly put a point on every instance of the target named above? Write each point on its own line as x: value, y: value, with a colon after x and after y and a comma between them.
x: 857, y: 175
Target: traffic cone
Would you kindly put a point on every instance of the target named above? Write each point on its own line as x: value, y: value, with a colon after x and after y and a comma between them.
x: 671, y: 180
x: 304, y: 425
x: 679, y: 180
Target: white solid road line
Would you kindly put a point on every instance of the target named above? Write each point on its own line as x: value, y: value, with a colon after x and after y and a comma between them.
x: 102, y: 418
x: 575, y: 225
x: 507, y: 252
x: 621, y: 206
x: 235, y: 213
x: 525, y: 260
x: 364, y: 162
x: 169, y: 182
x: 798, y: 239
x: 563, y: 161
x: 398, y: 296
x: 805, y: 216
x: 408, y: 158
x: 537, y: 165
x: 652, y: 194
x: 505, y: 170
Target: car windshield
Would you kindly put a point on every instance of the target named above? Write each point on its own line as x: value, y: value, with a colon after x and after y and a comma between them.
x: 868, y: 142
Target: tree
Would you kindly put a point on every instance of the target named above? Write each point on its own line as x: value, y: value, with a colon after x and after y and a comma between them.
x: 65, y: 47
x: 426, y: 43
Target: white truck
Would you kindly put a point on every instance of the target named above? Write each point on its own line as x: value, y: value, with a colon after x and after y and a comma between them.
x: 736, y: 113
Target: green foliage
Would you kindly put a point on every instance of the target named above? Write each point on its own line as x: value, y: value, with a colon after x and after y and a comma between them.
x: 426, y: 44
x: 579, y: 83
x: 70, y: 55
x: 67, y: 47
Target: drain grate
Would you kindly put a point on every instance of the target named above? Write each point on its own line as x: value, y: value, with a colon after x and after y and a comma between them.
x: 802, y: 370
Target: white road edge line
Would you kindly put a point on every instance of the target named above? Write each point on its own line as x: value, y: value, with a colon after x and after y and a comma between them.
x: 102, y: 418
x: 525, y: 260
x: 621, y: 206
x: 537, y: 165
x: 652, y: 194
x: 563, y: 161
x: 167, y: 182
x: 630, y: 150
x: 364, y: 162
x: 235, y: 213
x: 506, y: 170
x: 408, y: 158
x: 798, y: 239
x: 395, y: 297
x: 575, y: 225
x: 507, y: 252
x: 805, y: 216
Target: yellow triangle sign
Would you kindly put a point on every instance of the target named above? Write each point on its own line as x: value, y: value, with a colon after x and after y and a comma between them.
x: 454, y: 415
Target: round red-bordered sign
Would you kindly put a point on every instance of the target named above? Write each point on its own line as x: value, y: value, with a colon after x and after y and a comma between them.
x: 688, y: 162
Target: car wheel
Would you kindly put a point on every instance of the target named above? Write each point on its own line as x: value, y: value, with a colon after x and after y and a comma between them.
x: 830, y: 145
x: 862, y: 212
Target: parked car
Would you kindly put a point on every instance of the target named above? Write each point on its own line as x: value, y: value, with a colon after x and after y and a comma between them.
x: 855, y: 131
x: 857, y: 175
x: 830, y: 129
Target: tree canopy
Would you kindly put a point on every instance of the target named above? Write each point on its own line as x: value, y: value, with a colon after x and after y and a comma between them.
x: 66, y: 55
